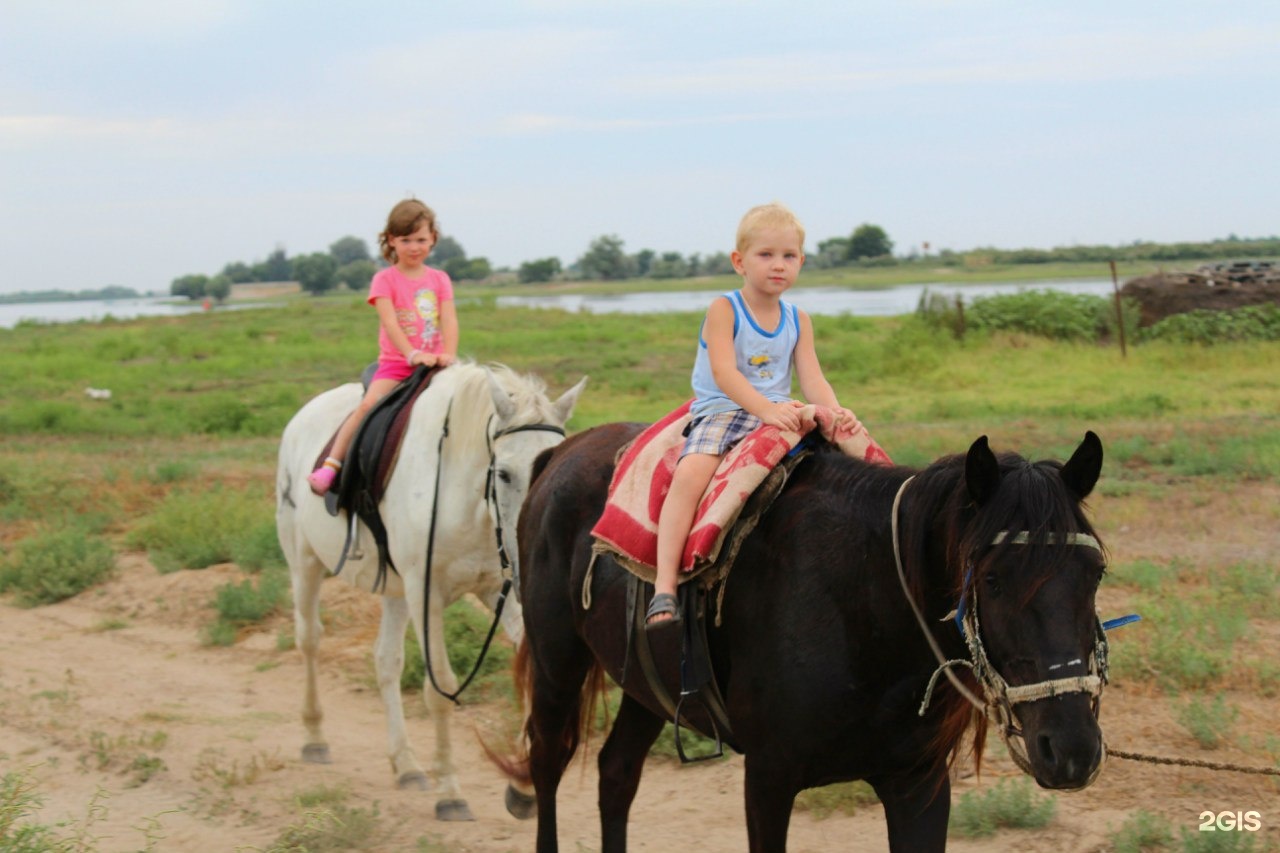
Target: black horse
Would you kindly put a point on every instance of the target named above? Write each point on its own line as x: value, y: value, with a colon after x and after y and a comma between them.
x: 825, y: 663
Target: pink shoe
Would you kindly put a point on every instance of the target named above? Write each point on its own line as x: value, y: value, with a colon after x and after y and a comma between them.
x: 321, y: 479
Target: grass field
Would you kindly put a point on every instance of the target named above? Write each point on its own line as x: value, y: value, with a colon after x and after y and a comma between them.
x: 180, y: 461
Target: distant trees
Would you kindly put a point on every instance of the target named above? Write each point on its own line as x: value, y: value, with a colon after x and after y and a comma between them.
x: 349, y: 262
x: 533, y: 272
x: 868, y: 241
x: 346, y: 250
x: 606, y: 260
x: 316, y: 273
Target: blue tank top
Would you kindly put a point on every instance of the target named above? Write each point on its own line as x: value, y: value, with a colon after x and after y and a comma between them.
x: 763, y: 357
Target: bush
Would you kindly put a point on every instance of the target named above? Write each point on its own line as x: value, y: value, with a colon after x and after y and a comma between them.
x: 1255, y: 323
x: 1010, y: 804
x: 53, y: 566
x: 244, y: 603
x: 1208, y: 722
x: 1046, y: 313
x: 194, y: 530
x: 1143, y: 832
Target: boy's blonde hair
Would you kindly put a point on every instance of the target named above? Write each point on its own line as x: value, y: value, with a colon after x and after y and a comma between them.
x: 405, y: 218
x: 771, y: 215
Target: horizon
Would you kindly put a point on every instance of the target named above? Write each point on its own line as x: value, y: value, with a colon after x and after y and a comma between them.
x: 163, y: 140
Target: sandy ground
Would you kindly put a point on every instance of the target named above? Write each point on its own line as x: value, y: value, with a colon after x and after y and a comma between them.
x: 89, y: 684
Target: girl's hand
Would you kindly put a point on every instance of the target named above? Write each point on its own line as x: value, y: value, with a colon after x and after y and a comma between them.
x: 445, y: 359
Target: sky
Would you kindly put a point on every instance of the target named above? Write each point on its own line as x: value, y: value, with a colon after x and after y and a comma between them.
x: 143, y: 140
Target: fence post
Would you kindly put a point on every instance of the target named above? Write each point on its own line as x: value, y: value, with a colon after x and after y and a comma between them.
x: 1115, y: 286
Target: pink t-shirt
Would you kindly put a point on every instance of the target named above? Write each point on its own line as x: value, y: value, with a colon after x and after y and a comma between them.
x: 417, y: 305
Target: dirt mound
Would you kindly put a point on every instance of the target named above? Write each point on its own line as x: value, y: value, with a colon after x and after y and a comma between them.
x: 1218, y: 287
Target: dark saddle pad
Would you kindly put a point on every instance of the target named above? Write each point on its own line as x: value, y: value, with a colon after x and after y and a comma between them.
x: 371, y: 459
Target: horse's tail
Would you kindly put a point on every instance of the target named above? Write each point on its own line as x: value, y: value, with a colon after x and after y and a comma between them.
x: 577, y: 731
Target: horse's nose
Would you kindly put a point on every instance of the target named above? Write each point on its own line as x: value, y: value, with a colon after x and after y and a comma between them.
x: 1068, y: 762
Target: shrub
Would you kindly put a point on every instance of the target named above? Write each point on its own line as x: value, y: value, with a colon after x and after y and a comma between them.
x: 1046, y: 313
x: 1254, y: 323
x: 1208, y: 722
x: 1011, y: 803
x: 843, y: 797
x: 56, y: 565
x: 1143, y: 832
x: 244, y: 603
x: 198, y: 529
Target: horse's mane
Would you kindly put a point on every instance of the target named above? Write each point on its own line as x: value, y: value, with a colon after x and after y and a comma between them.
x: 473, y: 402
x: 937, y: 508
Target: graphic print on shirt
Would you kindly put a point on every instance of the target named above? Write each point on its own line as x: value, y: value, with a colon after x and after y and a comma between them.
x: 761, y: 365
x: 422, y: 319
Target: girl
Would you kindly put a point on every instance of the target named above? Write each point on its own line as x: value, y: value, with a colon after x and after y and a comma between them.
x: 418, y: 322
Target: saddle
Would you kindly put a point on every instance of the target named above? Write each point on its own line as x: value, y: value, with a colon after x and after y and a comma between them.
x: 751, y: 475
x: 370, y: 460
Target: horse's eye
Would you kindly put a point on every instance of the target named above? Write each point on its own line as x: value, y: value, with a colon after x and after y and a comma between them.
x: 993, y: 583
x: 504, y: 476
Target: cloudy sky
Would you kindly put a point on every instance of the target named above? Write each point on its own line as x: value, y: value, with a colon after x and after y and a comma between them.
x: 141, y: 140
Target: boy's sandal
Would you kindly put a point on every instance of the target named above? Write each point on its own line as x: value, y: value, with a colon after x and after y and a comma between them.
x: 662, y: 603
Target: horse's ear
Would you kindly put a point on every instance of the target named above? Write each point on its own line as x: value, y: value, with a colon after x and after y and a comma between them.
x: 564, y: 406
x: 981, y: 472
x: 501, y: 399
x: 1080, y: 474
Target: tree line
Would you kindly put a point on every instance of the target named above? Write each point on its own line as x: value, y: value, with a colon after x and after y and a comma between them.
x: 348, y: 262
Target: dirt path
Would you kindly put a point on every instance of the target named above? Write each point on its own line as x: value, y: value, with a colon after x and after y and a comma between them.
x: 94, y: 690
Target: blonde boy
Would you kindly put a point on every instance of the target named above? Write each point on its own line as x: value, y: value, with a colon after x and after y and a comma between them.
x: 751, y: 341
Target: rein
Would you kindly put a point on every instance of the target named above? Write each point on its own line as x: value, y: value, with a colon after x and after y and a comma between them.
x: 1000, y: 697
x: 491, y: 499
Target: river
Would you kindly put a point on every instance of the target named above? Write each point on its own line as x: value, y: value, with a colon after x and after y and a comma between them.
x: 901, y: 299
x: 11, y: 314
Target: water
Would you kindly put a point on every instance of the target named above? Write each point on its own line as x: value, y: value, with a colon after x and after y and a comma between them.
x: 901, y: 299
x: 815, y: 300
x: 98, y: 309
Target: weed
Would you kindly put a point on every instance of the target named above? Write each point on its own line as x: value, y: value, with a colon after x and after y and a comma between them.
x: 1195, y: 841
x: 20, y: 800
x: 1208, y: 722
x: 213, y: 766
x: 332, y: 830
x: 110, y: 624
x: 1142, y: 832
x: 55, y: 565
x: 1188, y: 643
x: 1011, y: 803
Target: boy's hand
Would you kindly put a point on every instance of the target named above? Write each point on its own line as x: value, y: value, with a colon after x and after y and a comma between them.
x: 785, y: 415
x: 844, y: 417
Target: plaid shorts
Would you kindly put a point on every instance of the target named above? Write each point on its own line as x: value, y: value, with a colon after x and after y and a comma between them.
x: 716, y: 434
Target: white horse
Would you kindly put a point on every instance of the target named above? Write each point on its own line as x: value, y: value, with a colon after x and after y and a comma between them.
x: 497, y: 423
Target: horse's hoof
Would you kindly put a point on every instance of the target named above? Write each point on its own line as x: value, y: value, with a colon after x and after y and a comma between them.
x: 414, y: 780
x: 453, y: 810
x: 316, y: 753
x: 521, y: 806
